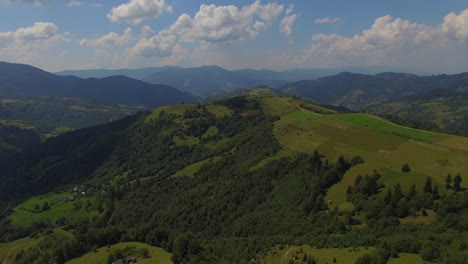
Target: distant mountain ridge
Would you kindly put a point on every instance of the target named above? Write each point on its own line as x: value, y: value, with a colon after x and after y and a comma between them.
x: 356, y: 91
x: 207, y: 81
x: 25, y: 80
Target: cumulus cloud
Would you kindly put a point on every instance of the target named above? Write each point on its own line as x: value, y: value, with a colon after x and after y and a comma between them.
x: 457, y: 26
x: 110, y: 39
x: 211, y: 25
x: 39, y: 31
x: 286, y: 26
x: 391, y: 41
x: 327, y: 20
x: 136, y: 11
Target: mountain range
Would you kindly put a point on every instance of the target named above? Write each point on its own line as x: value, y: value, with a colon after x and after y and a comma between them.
x: 209, y: 80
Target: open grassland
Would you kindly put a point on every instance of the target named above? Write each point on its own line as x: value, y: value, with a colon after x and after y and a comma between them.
x: 193, y: 168
x: 406, y: 258
x: 59, y: 205
x: 384, y: 146
x: 100, y: 256
x: 8, y: 251
x: 321, y: 256
x: 420, y: 219
x: 179, y: 109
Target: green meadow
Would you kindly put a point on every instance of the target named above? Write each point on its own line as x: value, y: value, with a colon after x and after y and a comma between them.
x: 31, y: 210
x: 100, y: 256
x: 321, y: 255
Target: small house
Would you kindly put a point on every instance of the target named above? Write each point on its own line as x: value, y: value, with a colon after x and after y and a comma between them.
x: 131, y: 259
x: 76, y: 188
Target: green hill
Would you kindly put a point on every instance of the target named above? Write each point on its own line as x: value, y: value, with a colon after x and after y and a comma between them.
x: 226, y: 182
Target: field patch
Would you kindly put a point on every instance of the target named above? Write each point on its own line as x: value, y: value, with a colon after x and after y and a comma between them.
x: 8, y: 251
x: 100, y: 256
x: 191, y: 169
x: 405, y: 258
x: 52, y: 206
x: 280, y: 255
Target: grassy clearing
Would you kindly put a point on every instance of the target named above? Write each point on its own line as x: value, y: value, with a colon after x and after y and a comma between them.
x: 322, y: 256
x: 158, y: 255
x: 177, y: 109
x: 187, y: 140
x: 193, y: 168
x: 431, y: 216
x: 385, y: 126
x: 218, y: 110
x: 405, y: 258
x: 8, y: 251
x: 27, y: 212
x: 212, y: 131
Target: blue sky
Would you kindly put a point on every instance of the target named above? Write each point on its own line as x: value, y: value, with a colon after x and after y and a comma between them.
x: 421, y: 35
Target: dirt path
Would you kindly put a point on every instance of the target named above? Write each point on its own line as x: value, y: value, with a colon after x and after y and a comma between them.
x: 8, y: 255
x: 285, y: 255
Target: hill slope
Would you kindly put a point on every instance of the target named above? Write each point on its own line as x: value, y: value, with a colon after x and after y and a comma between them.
x: 226, y: 182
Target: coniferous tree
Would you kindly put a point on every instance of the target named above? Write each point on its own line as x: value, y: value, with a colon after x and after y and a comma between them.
x: 435, y: 193
x: 405, y: 168
x: 448, y: 181
x: 457, y: 183
x: 412, y: 192
x: 428, y: 185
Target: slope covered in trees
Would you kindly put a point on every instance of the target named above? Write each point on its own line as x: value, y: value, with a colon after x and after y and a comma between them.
x: 228, y: 181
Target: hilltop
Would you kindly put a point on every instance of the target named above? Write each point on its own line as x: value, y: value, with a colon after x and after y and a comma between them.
x: 229, y: 181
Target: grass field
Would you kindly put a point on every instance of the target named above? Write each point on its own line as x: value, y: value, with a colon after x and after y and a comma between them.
x: 383, y: 145
x: 406, y: 258
x: 60, y: 206
x: 158, y: 255
x: 193, y: 168
x: 322, y: 256
x: 8, y: 251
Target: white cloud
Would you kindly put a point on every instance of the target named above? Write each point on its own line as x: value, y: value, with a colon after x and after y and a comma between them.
x: 33, y: 2
x: 146, y: 30
x: 394, y: 41
x: 136, y: 11
x: 78, y: 4
x: 75, y: 4
x: 327, y: 20
x: 286, y: 26
x: 110, y: 39
x: 39, y: 31
x: 457, y: 26
x: 211, y: 25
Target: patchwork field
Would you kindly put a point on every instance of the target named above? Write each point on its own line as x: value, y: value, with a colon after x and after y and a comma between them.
x: 383, y: 145
x: 100, y: 256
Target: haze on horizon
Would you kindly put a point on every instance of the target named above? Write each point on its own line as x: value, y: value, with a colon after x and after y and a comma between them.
x: 424, y: 36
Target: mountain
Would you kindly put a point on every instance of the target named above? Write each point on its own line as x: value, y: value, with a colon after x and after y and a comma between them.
x: 207, y: 81
x: 201, y: 81
x: 439, y: 109
x: 357, y: 91
x: 23, y: 80
x: 259, y: 178
x: 138, y: 74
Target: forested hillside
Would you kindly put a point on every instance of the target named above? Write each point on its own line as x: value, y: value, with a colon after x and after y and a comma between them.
x: 237, y: 180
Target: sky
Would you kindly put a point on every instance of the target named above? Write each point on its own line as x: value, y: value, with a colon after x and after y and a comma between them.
x: 419, y: 35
